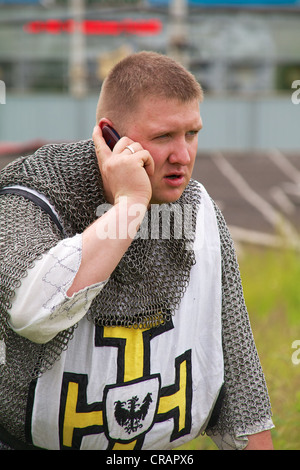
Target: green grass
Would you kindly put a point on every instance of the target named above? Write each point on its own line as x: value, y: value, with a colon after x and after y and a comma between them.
x: 271, y: 282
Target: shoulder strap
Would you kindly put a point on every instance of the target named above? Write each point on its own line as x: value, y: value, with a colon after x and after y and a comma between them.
x: 34, y: 197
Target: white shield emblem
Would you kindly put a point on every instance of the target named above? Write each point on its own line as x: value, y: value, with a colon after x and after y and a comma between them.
x: 130, y: 408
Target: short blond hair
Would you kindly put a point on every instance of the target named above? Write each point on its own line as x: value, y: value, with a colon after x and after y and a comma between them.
x: 142, y: 75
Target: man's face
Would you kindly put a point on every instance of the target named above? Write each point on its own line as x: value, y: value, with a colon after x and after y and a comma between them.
x: 168, y: 129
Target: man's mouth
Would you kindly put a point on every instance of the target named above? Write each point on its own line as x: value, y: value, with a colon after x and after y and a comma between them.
x: 175, y: 174
x: 174, y: 179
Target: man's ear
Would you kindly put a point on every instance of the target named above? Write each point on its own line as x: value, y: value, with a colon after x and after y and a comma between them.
x: 104, y: 121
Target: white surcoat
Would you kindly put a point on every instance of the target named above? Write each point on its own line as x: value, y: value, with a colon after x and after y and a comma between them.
x: 126, y: 388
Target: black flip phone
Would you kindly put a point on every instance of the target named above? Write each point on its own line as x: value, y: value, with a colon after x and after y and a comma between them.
x: 110, y: 136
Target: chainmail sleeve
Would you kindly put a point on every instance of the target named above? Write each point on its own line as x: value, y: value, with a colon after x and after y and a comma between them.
x: 246, y: 406
x: 26, y: 232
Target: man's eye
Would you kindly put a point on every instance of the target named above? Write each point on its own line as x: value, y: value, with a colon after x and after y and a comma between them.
x: 164, y: 136
x: 192, y: 133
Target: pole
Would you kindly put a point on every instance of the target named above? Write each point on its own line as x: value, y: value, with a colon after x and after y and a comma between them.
x: 77, y: 65
x: 178, y: 31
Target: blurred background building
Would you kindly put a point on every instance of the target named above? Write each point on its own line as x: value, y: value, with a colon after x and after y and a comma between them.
x: 54, y: 55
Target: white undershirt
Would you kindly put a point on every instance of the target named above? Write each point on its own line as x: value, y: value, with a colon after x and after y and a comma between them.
x: 41, y: 306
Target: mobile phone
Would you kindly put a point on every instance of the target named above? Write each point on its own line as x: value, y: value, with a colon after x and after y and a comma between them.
x: 110, y: 136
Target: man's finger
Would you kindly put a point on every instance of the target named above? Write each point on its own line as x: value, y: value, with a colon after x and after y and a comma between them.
x: 102, y: 149
x: 148, y: 163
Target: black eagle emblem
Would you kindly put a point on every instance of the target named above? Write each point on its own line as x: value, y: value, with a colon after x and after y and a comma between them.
x: 130, y: 413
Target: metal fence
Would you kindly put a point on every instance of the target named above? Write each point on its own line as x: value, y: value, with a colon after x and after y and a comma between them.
x: 230, y: 122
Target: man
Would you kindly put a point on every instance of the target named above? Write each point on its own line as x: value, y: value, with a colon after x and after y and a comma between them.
x: 122, y: 331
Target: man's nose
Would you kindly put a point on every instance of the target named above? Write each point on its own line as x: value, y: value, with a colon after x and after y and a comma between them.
x: 179, y: 153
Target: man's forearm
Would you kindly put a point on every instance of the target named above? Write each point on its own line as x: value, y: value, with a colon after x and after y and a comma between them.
x: 105, y: 242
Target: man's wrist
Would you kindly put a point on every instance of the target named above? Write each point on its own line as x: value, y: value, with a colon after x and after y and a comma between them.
x: 131, y: 214
x: 124, y: 220
x: 128, y: 201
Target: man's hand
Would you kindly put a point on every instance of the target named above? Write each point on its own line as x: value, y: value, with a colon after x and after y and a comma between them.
x: 260, y: 441
x: 124, y: 173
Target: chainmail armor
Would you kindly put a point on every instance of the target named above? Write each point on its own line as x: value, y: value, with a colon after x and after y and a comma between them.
x: 246, y: 402
x: 27, y: 232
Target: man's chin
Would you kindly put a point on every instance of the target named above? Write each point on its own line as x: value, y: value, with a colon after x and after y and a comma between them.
x: 167, y: 198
